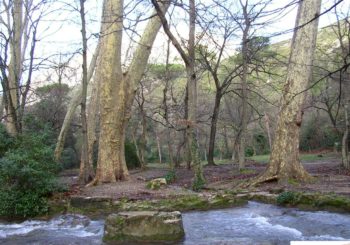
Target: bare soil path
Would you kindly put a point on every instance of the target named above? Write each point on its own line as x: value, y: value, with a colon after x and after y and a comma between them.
x: 329, y: 178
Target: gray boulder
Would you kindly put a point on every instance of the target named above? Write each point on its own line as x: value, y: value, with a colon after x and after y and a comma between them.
x: 143, y: 226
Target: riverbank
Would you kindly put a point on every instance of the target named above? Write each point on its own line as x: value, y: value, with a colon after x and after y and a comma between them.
x: 328, y: 175
x: 330, y: 190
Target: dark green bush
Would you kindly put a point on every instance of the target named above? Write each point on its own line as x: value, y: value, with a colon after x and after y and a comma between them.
x: 287, y: 197
x: 69, y: 158
x: 170, y: 177
x: 261, y: 143
x: 152, y: 154
x: 249, y: 151
x: 198, y: 184
x: 27, y: 176
x: 5, y: 140
x: 132, y: 161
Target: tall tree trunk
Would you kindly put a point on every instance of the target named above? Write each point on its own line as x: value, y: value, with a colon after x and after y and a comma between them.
x: 166, y: 111
x: 170, y: 149
x: 111, y: 164
x: 178, y: 155
x: 143, y: 142
x: 227, y: 149
x: 159, y: 149
x: 198, y: 180
x: 213, y: 127
x: 86, y: 173
x: 118, y: 89
x: 346, y: 105
x: 2, y: 107
x: 235, y: 148
x: 267, y: 125
x: 244, y: 93
x: 345, y: 140
x: 284, y: 162
x: 187, y: 149
x: 15, y: 70
x: 205, y: 149
x: 74, y: 103
x: 93, y: 117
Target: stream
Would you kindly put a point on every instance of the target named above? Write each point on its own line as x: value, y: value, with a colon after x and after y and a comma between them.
x: 255, y: 223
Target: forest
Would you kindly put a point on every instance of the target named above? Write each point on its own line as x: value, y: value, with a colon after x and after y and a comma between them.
x: 172, y: 121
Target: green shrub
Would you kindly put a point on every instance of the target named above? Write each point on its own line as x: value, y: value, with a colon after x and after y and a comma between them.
x: 170, y: 177
x: 69, y: 158
x: 132, y: 161
x: 5, y: 140
x: 261, y: 143
x: 27, y: 176
x: 287, y: 197
x: 249, y: 152
x: 198, y: 184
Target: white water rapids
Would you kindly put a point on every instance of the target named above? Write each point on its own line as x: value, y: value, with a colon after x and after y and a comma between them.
x: 252, y: 224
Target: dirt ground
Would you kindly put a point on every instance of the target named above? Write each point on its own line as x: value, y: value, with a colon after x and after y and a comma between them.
x: 329, y: 178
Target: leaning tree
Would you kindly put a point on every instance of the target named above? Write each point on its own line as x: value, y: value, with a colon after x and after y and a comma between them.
x: 284, y: 161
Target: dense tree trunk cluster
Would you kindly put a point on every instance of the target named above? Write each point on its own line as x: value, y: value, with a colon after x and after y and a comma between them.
x: 117, y: 89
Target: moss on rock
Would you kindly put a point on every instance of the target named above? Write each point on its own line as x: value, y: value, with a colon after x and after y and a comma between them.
x: 156, y: 184
x: 314, y: 201
x: 100, y: 206
x: 91, y: 206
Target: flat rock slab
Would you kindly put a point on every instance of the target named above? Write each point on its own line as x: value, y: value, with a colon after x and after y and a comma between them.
x: 143, y: 226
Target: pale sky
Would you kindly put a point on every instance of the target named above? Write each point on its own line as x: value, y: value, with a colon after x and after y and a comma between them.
x: 60, y: 33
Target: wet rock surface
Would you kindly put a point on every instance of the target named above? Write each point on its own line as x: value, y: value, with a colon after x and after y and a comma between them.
x: 144, y: 226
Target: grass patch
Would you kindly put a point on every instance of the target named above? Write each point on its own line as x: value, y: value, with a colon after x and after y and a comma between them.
x: 303, y: 157
x: 313, y: 157
x: 247, y: 171
x: 158, y: 165
x: 260, y: 158
x: 218, y: 162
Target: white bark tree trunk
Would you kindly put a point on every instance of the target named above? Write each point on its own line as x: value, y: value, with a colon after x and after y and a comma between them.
x: 117, y: 89
x: 284, y: 162
x: 346, y: 105
x: 15, y: 70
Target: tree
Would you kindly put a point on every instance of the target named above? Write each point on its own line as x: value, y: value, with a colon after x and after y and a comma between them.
x: 19, y: 22
x: 166, y: 109
x: 117, y: 88
x: 251, y: 13
x: 2, y: 107
x: 222, y: 72
x: 343, y: 35
x: 86, y: 172
x: 141, y: 149
x: 222, y: 82
x: 50, y: 106
x: 74, y: 103
x: 284, y: 161
x: 189, y: 60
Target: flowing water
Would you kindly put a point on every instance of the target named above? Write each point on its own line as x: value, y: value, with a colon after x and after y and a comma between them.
x: 254, y: 223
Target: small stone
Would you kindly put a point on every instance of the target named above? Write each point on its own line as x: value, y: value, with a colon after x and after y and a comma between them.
x: 155, y: 184
x: 141, y: 178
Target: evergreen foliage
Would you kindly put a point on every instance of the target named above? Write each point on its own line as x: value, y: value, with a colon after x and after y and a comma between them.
x: 27, y: 175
